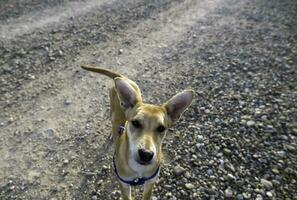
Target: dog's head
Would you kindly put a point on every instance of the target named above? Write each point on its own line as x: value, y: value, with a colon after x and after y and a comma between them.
x: 147, y: 124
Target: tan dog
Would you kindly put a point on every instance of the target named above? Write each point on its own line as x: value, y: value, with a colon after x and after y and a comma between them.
x: 138, y: 130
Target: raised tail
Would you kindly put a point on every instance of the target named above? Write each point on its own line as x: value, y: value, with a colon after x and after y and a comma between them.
x: 106, y: 72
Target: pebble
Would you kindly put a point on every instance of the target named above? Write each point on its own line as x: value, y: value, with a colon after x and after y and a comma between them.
x: 264, y: 118
x: 104, y: 167
x: 281, y: 153
x: 189, y: 186
x: 250, y: 123
x: 94, y: 197
x: 50, y: 132
x: 207, y: 111
x: 200, y: 138
x: 275, y: 170
x: 209, y: 172
x: 290, y: 147
x: 259, y: 197
x: 168, y: 194
x: 246, y: 195
x: 267, y: 184
x: 67, y: 102
x: 66, y: 161
x: 178, y: 170
x: 269, y: 194
x: 227, y: 151
x: 230, y: 177
x: 187, y: 175
x: 228, y: 193
x: 240, y: 197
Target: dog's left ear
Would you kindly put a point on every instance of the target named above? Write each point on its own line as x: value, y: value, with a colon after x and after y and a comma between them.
x: 128, y: 96
x: 178, y: 104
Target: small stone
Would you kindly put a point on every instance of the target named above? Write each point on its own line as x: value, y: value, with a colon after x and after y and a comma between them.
x: 231, y: 177
x: 227, y: 151
x: 50, y: 132
x: 66, y: 161
x: 200, y: 138
x: 10, y: 120
x: 187, y: 175
x: 121, y: 51
x: 267, y: 184
x: 178, y: 170
x: 290, y: 147
x: 228, y: 193
x: 189, y: 186
x: 269, y: 194
x: 250, y: 123
x: 264, y: 118
x: 60, y: 52
x: 259, y: 197
x: 94, y: 197
x: 168, y: 194
x: 247, y: 195
x: 240, y: 197
x: 281, y: 153
x: 67, y: 102
x: 207, y: 111
x: 104, y: 167
x: 209, y: 172
x: 199, y: 146
x: 12, y: 187
x: 275, y: 170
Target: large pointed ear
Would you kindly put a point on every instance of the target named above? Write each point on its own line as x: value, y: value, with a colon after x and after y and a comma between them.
x: 178, y: 104
x: 127, y: 95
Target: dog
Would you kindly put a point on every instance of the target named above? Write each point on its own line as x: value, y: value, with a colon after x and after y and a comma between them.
x: 138, y: 130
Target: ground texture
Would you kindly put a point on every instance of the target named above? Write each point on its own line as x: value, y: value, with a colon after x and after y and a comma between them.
x: 236, y: 141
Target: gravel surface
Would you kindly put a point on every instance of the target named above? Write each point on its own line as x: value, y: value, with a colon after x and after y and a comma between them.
x: 238, y: 139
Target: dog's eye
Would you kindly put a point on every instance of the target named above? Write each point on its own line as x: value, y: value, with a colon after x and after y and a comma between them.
x: 161, y: 128
x: 136, y: 124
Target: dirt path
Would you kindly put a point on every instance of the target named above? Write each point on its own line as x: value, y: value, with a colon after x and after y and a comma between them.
x: 240, y: 58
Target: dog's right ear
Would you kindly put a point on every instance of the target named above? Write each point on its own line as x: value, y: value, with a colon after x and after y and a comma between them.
x: 126, y: 93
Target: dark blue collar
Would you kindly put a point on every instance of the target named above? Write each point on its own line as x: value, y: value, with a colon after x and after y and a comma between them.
x: 136, y: 181
x: 121, y: 130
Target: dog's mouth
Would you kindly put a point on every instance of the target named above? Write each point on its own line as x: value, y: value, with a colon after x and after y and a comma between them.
x: 143, y: 163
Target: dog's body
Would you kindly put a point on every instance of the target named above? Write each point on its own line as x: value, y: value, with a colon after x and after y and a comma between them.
x: 138, y: 150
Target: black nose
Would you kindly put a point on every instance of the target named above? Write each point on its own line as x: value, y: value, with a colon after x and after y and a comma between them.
x: 145, y: 155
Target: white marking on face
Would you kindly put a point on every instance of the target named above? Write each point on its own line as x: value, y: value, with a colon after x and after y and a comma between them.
x: 133, y: 148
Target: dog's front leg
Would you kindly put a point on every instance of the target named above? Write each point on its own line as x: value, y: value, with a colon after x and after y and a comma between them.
x: 126, y: 191
x: 148, y: 190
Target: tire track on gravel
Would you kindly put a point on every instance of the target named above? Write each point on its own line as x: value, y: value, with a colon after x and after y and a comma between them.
x: 29, y: 23
x: 26, y: 58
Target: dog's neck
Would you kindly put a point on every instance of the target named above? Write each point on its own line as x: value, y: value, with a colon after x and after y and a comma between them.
x: 127, y: 167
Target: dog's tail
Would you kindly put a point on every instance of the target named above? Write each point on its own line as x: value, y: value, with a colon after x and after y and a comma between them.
x: 106, y: 72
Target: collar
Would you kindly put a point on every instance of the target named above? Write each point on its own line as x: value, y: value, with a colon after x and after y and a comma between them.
x: 136, y: 181
x: 121, y: 130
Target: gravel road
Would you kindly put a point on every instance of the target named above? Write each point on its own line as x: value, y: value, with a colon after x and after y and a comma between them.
x: 237, y: 141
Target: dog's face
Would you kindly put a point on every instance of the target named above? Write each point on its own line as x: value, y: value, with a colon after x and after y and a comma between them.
x: 147, y: 123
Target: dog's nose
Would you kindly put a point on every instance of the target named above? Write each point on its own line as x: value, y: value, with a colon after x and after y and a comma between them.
x: 145, y: 155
